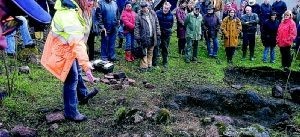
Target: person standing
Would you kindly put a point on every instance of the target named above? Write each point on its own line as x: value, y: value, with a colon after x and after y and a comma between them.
x: 193, y: 23
x: 211, y: 26
x: 266, y: 10
x: 285, y: 36
x: 249, y: 25
x: 231, y: 27
x: 296, y: 12
x: 180, y: 16
x: 166, y: 21
x: 65, y: 54
x: 135, y: 5
x: 147, y: 34
x: 107, y: 15
x: 279, y: 7
x: 268, y: 35
x: 128, y: 19
x: 218, y: 7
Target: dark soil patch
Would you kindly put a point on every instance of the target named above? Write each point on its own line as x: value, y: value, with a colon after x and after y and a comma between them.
x: 261, y: 76
x: 245, y: 108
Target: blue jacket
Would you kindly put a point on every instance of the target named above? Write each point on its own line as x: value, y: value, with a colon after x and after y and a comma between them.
x: 249, y: 23
x: 166, y: 22
x: 107, y: 15
x: 266, y: 10
x: 279, y: 7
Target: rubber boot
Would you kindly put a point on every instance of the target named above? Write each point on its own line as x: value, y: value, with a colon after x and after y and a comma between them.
x: 127, y: 56
x: 131, y: 56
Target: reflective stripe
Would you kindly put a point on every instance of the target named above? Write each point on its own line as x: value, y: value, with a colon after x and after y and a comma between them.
x: 72, y: 29
x: 62, y: 39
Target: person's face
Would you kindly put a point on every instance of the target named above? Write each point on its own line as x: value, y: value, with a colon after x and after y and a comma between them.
x: 166, y: 9
x: 89, y: 4
x: 287, y: 16
x: 190, y: 5
x: 248, y: 10
x: 196, y: 10
x: 231, y: 13
x: 128, y: 7
x: 145, y: 9
x: 267, y: 1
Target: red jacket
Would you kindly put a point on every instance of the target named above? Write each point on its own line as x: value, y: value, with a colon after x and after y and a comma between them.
x: 286, y: 33
x: 128, y: 19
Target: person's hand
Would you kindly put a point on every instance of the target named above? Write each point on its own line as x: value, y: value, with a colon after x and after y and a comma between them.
x: 90, y: 76
x: 104, y: 31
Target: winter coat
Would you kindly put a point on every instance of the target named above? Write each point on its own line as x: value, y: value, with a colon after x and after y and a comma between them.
x: 128, y: 19
x: 193, y: 26
x: 180, y: 16
x: 231, y: 29
x: 165, y: 22
x: 107, y: 15
x: 249, y: 23
x: 211, y: 25
x: 269, y: 32
x: 218, y: 5
x: 279, y: 7
x: 266, y: 10
x: 286, y: 33
x: 66, y: 41
x: 141, y: 30
x: 255, y: 9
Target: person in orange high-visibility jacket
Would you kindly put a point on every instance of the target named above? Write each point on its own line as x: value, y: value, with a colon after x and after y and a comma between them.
x: 65, y: 53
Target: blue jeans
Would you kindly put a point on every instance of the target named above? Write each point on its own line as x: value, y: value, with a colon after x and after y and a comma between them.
x: 24, y: 31
x: 108, y: 46
x: 73, y: 89
x: 212, y: 51
x: 272, y: 54
x: 129, y: 41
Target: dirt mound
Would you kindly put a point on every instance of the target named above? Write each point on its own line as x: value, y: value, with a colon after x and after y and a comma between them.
x: 262, y: 76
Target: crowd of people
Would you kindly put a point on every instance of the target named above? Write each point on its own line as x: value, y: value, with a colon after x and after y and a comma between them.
x: 76, y: 23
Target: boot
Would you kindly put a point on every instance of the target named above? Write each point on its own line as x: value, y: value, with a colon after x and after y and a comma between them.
x: 131, y: 56
x: 127, y: 56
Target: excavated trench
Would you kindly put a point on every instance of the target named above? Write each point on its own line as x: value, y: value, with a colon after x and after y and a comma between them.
x: 261, y: 76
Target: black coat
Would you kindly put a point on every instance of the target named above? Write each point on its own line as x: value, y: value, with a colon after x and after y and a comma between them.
x: 211, y: 25
x: 266, y: 10
x: 269, y: 32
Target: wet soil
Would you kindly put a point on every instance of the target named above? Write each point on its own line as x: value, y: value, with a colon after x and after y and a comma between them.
x: 261, y: 76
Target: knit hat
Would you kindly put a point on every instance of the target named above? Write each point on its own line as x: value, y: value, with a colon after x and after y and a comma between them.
x: 144, y: 4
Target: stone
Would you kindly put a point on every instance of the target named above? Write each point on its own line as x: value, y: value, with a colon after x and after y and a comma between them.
x: 124, y: 135
x: 150, y: 114
x: 55, y: 117
x: 238, y: 86
x: 113, y: 81
x: 4, y: 133
x: 119, y: 75
x: 295, y: 94
x: 34, y: 59
x: 105, y: 81
x: 277, y: 92
x: 22, y: 131
x: 53, y: 127
x: 109, y: 76
x: 24, y: 70
x: 223, y: 119
x: 149, y: 86
x: 138, y: 118
x: 173, y: 105
x: 264, y: 113
x: 254, y: 131
x: 131, y: 81
x: 136, y: 135
x: 149, y: 134
x: 117, y: 87
x: 230, y: 131
x: 212, y: 131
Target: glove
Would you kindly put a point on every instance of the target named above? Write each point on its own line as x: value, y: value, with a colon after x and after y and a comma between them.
x: 90, y: 76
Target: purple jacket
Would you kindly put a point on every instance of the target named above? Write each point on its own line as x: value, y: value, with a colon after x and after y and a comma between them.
x: 180, y: 16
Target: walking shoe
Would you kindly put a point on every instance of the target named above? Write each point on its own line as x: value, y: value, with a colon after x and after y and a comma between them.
x: 78, y: 118
x: 90, y: 95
